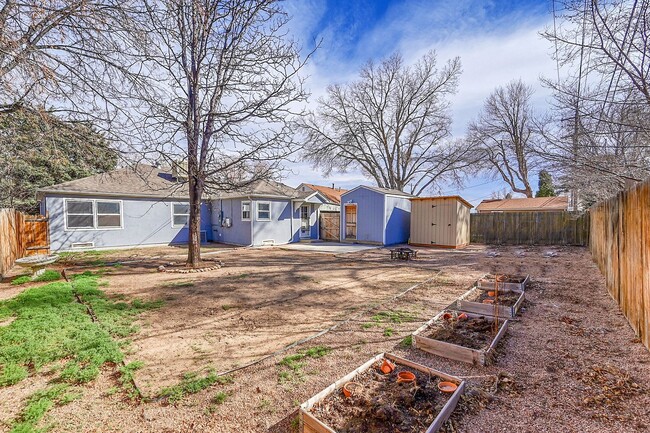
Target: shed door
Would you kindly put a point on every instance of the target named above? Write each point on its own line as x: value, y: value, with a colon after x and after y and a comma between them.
x: 350, y: 222
x: 442, y: 223
x: 305, y: 227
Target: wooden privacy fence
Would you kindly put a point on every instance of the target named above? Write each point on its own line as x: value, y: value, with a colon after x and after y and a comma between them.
x: 529, y: 228
x: 21, y: 235
x: 620, y: 246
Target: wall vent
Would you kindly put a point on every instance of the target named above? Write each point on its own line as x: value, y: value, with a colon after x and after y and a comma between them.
x: 83, y: 245
x: 204, y: 237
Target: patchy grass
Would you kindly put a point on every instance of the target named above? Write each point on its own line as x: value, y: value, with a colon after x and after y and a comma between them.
x: 219, y: 397
x: 296, y: 362
x: 407, y: 341
x: 48, y: 275
x: 39, y: 403
x: 388, y: 332
x: 179, y: 284
x: 19, y: 281
x: 127, y: 377
x: 191, y: 384
x: 50, y: 325
x: 392, y: 317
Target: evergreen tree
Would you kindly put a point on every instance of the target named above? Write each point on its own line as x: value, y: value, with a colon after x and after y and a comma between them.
x: 37, y: 149
x: 545, y: 186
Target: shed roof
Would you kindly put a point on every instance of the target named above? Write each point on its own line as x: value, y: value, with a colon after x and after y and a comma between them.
x: 446, y: 197
x: 386, y: 191
x: 148, y: 181
x: 524, y: 204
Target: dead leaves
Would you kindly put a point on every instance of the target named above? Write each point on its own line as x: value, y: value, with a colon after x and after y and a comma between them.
x: 607, y: 387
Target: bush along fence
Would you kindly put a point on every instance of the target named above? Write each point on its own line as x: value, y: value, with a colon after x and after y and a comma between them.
x: 530, y: 228
x: 620, y: 246
x: 21, y: 235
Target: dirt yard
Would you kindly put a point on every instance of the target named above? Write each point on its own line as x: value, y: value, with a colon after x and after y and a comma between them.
x: 569, y: 362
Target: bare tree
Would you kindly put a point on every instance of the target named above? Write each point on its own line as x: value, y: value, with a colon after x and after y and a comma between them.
x: 503, y: 136
x: 67, y: 55
x: 597, y: 134
x: 393, y: 123
x: 222, y: 87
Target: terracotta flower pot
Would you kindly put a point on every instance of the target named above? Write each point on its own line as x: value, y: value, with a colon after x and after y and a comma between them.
x: 462, y: 316
x: 387, y: 367
x: 348, y: 389
x: 447, y: 387
x: 405, y: 377
x: 492, y: 293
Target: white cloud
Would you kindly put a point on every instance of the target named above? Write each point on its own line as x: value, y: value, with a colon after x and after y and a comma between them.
x: 493, y: 51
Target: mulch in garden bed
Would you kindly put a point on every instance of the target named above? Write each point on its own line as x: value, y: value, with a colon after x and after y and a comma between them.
x: 474, y: 333
x: 507, y: 298
x: 380, y: 404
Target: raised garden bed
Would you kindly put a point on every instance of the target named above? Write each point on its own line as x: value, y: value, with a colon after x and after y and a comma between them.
x: 506, y: 304
x: 506, y: 282
x: 472, y: 340
x: 379, y: 403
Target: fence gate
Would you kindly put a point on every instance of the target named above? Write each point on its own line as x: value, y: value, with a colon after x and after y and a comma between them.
x: 36, y: 235
x: 330, y: 226
x: 21, y: 235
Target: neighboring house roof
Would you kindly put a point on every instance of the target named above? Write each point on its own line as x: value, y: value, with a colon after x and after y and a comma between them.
x: 385, y: 191
x: 524, y: 204
x: 444, y: 197
x: 148, y: 181
x: 332, y: 194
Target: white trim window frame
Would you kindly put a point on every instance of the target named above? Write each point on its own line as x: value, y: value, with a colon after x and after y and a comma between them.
x: 92, y: 213
x: 105, y: 215
x: 265, y: 211
x: 180, y: 214
x: 244, y: 211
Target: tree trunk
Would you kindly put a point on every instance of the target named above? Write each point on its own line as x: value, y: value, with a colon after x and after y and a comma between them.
x: 194, y: 246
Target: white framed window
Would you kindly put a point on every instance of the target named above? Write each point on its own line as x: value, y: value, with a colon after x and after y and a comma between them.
x: 245, y: 211
x: 79, y: 214
x: 109, y: 214
x: 93, y: 214
x: 264, y: 211
x: 180, y: 215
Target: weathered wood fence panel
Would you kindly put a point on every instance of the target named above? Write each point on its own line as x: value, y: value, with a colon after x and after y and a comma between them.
x: 620, y: 246
x: 21, y: 235
x: 330, y: 226
x: 530, y: 228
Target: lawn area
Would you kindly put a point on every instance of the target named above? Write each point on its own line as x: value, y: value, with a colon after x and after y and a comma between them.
x: 169, y: 352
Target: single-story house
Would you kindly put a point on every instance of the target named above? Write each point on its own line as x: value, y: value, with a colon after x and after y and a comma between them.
x: 538, y: 204
x: 147, y: 205
x: 375, y: 215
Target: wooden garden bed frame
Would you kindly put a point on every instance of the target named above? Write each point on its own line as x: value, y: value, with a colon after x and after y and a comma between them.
x: 454, y: 351
x: 487, y: 283
x: 464, y: 304
x: 310, y: 424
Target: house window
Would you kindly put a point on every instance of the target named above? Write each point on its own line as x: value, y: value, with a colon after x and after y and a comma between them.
x: 79, y: 214
x: 263, y: 211
x: 245, y: 211
x: 180, y: 214
x: 93, y: 214
x: 109, y: 214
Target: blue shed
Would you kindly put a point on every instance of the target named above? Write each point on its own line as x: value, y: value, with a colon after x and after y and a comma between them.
x: 373, y: 215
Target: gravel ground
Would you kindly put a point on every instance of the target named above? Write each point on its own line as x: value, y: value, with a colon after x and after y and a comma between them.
x: 570, y: 362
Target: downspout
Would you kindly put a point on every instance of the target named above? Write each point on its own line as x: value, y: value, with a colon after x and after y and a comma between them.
x: 250, y: 200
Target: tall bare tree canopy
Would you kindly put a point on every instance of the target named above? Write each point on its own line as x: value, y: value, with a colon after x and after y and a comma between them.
x: 221, y: 88
x: 60, y: 53
x: 393, y: 123
x: 597, y: 136
x: 503, y: 136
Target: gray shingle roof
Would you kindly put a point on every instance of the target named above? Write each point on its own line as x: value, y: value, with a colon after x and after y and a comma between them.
x: 147, y: 181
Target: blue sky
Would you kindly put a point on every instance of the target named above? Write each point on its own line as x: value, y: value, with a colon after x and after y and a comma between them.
x: 497, y: 41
